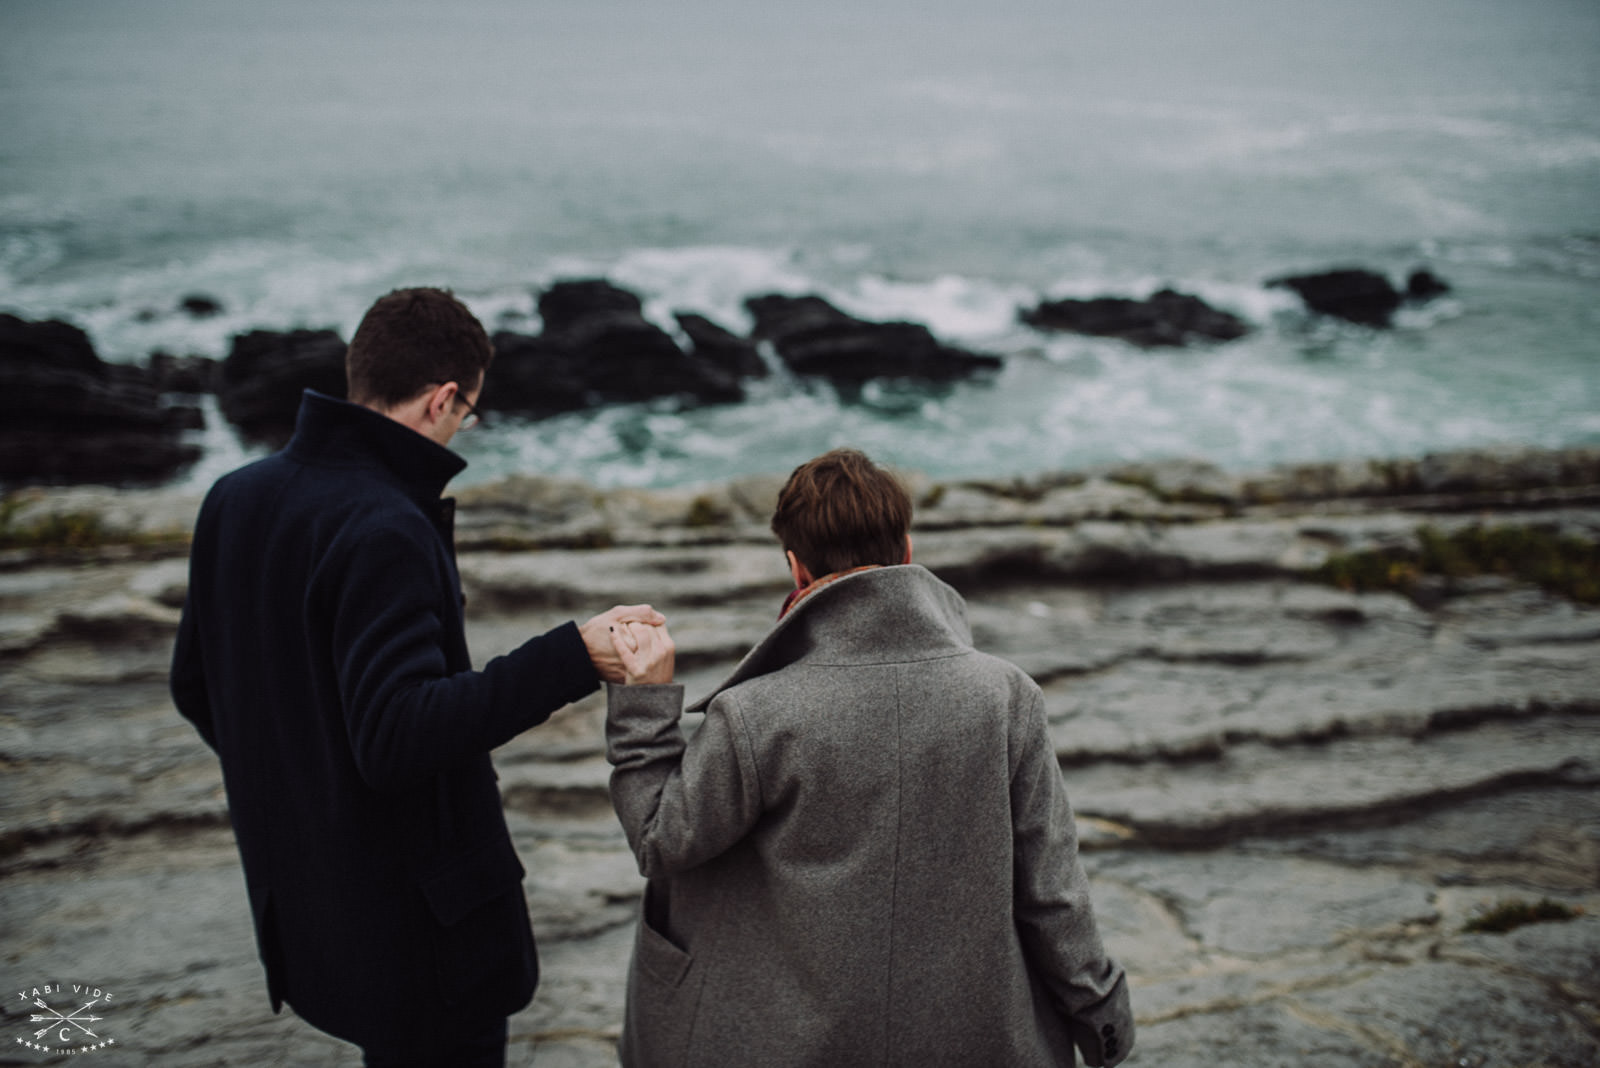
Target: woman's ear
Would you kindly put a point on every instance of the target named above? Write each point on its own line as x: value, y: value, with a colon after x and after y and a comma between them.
x: 907, y: 560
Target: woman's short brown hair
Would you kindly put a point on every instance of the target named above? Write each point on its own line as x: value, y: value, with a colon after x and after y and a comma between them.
x: 841, y: 511
x: 411, y: 339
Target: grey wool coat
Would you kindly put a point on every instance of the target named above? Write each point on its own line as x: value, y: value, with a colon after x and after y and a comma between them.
x: 864, y: 855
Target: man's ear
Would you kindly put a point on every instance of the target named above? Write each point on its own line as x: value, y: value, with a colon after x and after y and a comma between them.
x: 440, y: 401
x: 797, y: 570
x: 907, y: 560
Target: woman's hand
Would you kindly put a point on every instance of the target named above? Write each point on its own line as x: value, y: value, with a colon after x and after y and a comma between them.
x: 646, y: 652
x: 598, y: 632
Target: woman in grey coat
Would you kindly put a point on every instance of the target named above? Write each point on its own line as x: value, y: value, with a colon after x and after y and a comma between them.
x: 864, y: 855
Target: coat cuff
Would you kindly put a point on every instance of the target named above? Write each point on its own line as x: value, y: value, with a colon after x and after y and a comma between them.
x: 642, y: 720
x: 578, y: 673
x: 645, y: 700
x: 1103, y: 1031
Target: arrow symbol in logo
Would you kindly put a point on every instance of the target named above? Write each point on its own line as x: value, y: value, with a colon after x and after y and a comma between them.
x: 55, y: 1017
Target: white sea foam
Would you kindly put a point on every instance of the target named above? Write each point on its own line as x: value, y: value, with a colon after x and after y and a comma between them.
x: 1435, y: 211
x: 951, y: 306
x: 130, y: 313
x: 223, y: 449
x: 711, y: 280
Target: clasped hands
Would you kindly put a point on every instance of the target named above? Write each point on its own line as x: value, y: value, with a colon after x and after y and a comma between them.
x: 630, y: 644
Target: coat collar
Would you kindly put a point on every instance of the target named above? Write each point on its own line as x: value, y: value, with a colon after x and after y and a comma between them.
x: 330, y: 432
x: 878, y: 615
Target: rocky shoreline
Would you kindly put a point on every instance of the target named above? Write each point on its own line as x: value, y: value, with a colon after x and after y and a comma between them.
x: 1306, y: 746
x: 73, y: 418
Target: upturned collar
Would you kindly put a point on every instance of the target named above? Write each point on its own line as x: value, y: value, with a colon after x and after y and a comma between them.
x: 329, y: 432
x: 874, y: 615
x: 799, y: 593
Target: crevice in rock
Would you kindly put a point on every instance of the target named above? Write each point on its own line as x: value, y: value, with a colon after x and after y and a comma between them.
x: 101, y: 826
x: 1194, y: 836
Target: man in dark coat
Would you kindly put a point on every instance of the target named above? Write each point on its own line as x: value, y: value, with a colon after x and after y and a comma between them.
x: 322, y: 654
x: 864, y: 854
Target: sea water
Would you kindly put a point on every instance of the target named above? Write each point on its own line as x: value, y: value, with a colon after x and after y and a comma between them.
x: 938, y: 161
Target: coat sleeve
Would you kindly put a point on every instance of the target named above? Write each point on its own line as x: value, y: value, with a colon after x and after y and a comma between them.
x: 187, y: 679
x: 1054, y: 917
x: 681, y: 803
x: 407, y: 715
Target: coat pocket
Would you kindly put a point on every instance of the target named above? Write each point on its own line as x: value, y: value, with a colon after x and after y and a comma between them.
x: 481, y: 934
x: 659, y: 957
x: 663, y: 995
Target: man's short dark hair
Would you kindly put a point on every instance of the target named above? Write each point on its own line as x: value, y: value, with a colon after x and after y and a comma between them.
x: 411, y: 339
x: 841, y: 511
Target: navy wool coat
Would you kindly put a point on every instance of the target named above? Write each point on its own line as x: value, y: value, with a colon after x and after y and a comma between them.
x: 322, y: 655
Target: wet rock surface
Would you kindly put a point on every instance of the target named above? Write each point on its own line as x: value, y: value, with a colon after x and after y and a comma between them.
x: 813, y: 337
x: 1360, y: 295
x: 721, y: 347
x: 1292, y: 797
x: 598, y: 348
x: 261, y: 382
x: 67, y: 416
x: 1167, y: 318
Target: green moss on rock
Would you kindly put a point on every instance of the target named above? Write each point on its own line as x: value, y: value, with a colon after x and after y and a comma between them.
x: 707, y: 511
x: 74, y: 532
x: 1560, y: 563
x: 61, y: 530
x: 1510, y: 914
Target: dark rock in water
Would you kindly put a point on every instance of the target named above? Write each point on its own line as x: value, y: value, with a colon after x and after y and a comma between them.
x: 201, y: 305
x: 815, y: 338
x: 51, y: 343
x: 573, y: 302
x: 597, y: 348
x: 1167, y: 318
x: 185, y: 417
x: 535, y: 376
x: 43, y: 457
x: 67, y: 416
x: 1425, y: 285
x: 545, y: 375
x: 722, y: 347
x: 265, y: 373
x: 1358, y: 295
x: 183, y: 374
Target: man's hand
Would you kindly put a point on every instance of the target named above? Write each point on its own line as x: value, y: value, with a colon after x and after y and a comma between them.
x: 597, y: 636
x: 646, y: 652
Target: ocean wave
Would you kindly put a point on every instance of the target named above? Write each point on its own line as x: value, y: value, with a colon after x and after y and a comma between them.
x: 711, y: 280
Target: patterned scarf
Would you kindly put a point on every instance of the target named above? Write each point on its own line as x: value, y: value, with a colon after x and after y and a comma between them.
x: 801, y: 592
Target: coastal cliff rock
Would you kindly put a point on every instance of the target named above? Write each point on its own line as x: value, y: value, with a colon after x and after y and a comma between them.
x: 597, y: 347
x: 67, y: 416
x: 1167, y: 318
x: 265, y: 373
x: 814, y: 338
x: 1301, y: 798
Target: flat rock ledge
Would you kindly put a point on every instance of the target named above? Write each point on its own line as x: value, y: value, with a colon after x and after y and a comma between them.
x: 1292, y: 797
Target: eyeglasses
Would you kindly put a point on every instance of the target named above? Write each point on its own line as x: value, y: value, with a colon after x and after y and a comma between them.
x: 473, y: 416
